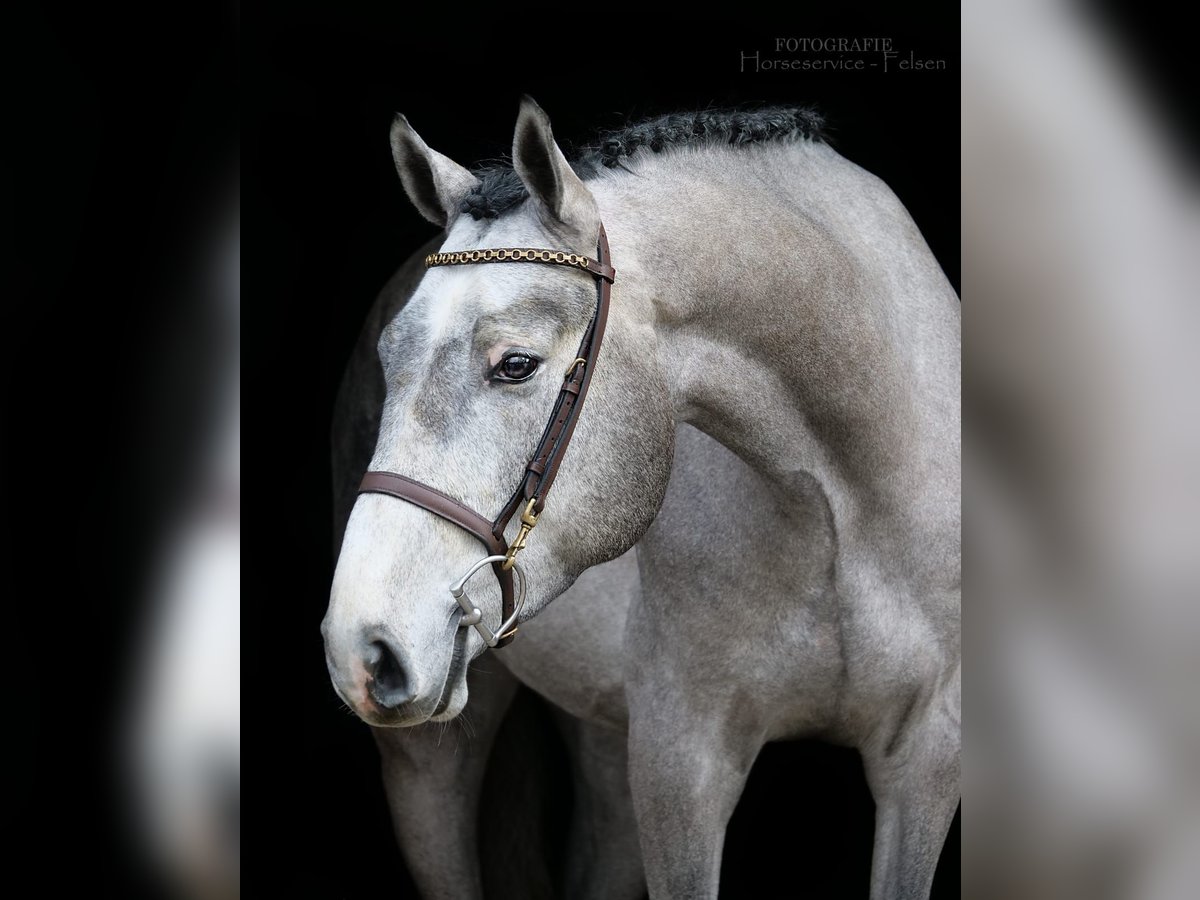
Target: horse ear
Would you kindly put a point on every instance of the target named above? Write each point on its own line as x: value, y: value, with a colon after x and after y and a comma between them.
x: 561, y: 196
x: 434, y: 183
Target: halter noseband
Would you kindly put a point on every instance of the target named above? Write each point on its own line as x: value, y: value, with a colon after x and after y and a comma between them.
x: 539, y: 474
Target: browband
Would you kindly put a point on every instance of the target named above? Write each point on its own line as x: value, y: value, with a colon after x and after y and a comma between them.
x: 522, y: 254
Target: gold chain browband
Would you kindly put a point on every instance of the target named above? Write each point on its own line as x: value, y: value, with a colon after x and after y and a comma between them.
x: 509, y: 254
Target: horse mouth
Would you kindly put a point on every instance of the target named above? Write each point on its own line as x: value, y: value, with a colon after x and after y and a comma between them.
x: 454, y: 674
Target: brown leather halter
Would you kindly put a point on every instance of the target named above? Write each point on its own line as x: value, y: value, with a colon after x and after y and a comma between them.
x: 540, y: 473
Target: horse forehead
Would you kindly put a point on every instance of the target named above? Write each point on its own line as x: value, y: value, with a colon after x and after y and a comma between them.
x: 453, y: 297
x: 516, y: 229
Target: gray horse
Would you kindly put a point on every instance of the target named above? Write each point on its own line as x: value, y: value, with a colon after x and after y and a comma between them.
x: 572, y: 655
x: 779, y: 299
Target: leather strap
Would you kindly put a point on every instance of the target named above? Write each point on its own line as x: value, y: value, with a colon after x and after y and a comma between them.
x: 542, y: 469
x: 448, y: 508
x: 602, y: 269
x: 436, y: 502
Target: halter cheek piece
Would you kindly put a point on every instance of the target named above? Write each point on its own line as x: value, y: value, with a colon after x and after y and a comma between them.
x: 539, y: 474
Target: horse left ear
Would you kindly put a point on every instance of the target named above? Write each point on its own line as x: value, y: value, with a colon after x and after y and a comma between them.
x: 560, y: 195
x: 434, y: 183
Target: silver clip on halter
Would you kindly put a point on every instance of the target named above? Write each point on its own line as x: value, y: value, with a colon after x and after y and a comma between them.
x: 471, y: 613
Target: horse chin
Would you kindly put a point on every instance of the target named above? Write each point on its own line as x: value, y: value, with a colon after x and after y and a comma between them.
x: 391, y: 720
x: 453, y: 707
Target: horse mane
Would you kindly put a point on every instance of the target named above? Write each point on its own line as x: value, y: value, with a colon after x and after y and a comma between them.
x: 500, y: 189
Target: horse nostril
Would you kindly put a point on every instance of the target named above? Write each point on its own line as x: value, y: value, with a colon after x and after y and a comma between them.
x: 388, y: 674
x: 388, y: 685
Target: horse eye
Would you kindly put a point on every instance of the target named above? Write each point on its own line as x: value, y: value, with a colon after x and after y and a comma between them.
x: 515, y: 367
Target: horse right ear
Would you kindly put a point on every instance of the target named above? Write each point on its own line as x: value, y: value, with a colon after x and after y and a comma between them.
x: 434, y: 183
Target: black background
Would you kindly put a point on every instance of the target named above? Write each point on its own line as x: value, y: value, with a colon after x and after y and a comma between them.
x: 324, y: 200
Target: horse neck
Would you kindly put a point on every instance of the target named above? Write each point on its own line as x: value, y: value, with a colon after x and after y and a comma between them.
x: 803, y: 322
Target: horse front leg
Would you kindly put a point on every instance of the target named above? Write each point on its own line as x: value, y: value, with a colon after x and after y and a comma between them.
x: 604, y: 860
x: 912, y: 768
x: 433, y: 775
x: 688, y: 763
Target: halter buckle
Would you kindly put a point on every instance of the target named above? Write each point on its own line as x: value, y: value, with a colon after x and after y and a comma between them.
x: 528, y: 520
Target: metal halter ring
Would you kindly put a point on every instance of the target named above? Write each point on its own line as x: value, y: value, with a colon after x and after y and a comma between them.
x: 471, y: 613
